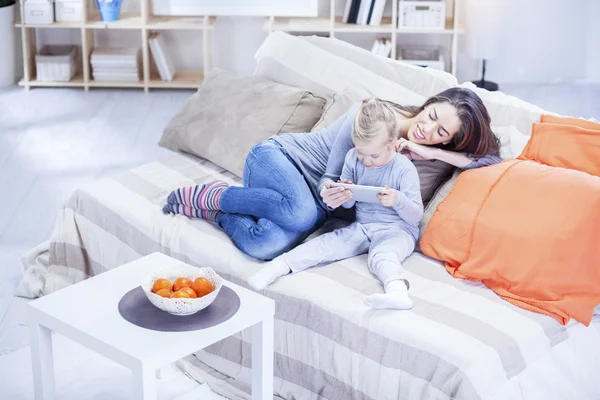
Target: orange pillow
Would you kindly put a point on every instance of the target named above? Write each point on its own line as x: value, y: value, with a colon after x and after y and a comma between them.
x: 530, y: 230
x: 565, y: 142
x: 581, y: 123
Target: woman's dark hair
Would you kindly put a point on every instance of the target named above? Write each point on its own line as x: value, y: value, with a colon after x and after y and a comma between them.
x: 475, y: 134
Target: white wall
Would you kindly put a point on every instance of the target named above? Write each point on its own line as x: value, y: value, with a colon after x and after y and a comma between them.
x: 542, y: 41
x: 593, y: 42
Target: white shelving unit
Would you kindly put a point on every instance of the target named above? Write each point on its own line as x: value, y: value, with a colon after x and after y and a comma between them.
x: 144, y: 22
x: 389, y: 25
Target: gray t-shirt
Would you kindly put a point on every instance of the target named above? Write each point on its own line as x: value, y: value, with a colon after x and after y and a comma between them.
x: 399, y: 174
x: 320, y: 155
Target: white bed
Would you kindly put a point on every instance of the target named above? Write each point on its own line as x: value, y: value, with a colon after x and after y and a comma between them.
x: 460, y: 341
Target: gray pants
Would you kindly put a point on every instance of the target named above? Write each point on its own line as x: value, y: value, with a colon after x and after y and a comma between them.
x: 388, y: 246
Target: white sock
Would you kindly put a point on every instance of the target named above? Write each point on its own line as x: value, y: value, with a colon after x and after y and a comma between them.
x: 395, y: 297
x: 268, y: 273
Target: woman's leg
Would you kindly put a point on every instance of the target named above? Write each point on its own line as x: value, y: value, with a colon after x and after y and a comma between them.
x: 262, y: 238
x: 274, y: 189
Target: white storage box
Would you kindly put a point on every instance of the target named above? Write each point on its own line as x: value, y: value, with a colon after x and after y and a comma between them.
x: 417, y: 14
x: 57, y: 63
x: 38, y: 12
x: 68, y: 10
x: 423, y: 57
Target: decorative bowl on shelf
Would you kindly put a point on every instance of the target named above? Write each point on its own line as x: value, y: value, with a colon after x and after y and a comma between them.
x: 182, y: 306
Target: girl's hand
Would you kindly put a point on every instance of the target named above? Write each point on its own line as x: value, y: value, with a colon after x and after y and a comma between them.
x: 388, y: 197
x: 335, y: 196
x: 416, y: 151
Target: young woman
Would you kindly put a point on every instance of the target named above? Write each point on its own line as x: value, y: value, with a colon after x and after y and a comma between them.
x: 287, y: 192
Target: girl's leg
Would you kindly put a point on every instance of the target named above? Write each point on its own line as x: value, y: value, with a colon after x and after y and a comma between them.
x: 333, y: 246
x: 389, y: 248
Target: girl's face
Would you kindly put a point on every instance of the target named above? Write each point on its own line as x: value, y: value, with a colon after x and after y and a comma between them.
x: 377, y: 152
x: 437, y: 123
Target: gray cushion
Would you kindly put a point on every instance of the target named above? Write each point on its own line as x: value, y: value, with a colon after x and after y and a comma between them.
x: 230, y: 114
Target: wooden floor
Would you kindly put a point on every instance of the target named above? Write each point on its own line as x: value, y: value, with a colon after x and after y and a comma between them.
x: 55, y: 140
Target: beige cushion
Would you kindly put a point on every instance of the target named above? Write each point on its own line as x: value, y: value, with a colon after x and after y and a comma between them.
x: 294, y: 61
x: 424, y: 81
x: 336, y: 106
x: 230, y: 114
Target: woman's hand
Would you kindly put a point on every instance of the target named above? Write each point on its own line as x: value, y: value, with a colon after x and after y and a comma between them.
x: 388, y: 197
x: 335, y: 196
x: 416, y: 151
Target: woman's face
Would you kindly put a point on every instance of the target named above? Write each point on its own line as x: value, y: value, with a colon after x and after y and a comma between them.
x: 437, y: 123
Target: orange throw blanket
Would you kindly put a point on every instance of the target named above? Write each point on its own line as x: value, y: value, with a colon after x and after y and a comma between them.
x: 529, y: 229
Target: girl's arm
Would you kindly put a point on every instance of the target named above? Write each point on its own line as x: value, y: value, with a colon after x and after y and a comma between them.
x: 409, y: 205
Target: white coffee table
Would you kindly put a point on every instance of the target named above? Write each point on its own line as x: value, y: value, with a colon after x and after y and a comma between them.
x: 88, y: 314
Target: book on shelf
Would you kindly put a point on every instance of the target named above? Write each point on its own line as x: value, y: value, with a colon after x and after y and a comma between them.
x: 164, y: 63
x: 377, y: 15
x: 364, y: 12
x: 354, y: 8
x: 382, y: 47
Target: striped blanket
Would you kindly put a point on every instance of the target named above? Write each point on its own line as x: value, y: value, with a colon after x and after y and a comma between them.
x: 460, y: 341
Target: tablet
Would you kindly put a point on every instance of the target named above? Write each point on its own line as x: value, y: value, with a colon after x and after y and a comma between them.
x: 367, y: 194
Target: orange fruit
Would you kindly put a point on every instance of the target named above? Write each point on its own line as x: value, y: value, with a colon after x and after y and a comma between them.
x: 161, y: 284
x: 189, y: 291
x: 202, y: 286
x: 182, y: 294
x: 181, y: 283
x: 164, y: 293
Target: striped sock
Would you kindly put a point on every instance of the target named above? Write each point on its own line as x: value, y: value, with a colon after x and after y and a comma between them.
x: 209, y: 215
x: 205, y: 197
x: 181, y: 209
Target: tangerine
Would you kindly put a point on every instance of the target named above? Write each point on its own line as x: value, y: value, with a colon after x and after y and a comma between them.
x: 161, y: 283
x: 164, y: 293
x: 189, y: 291
x: 202, y: 286
x: 181, y: 283
x: 182, y: 294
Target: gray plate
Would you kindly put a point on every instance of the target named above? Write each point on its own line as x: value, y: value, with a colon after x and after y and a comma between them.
x: 137, y: 309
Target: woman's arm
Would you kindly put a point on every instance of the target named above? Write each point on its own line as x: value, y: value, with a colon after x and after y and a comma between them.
x: 335, y: 197
x: 341, y: 145
x: 461, y: 160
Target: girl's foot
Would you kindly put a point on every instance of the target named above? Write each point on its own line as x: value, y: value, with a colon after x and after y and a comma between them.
x: 204, y: 197
x: 268, y: 273
x: 395, y: 297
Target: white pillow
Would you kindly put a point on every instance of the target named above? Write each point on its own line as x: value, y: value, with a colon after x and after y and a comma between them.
x: 424, y: 81
x: 296, y: 62
x: 508, y: 110
x: 512, y: 142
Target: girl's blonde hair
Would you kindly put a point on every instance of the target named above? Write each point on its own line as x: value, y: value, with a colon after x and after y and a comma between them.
x: 373, y: 116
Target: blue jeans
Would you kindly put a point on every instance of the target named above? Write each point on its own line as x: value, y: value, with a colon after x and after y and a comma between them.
x: 275, y: 210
